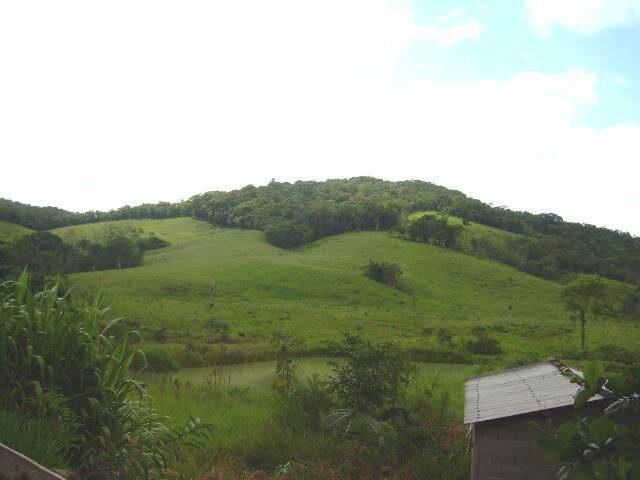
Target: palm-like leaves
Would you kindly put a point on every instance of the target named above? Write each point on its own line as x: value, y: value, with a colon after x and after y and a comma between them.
x: 50, y: 346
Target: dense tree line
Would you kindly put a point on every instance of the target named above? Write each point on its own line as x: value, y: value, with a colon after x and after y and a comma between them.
x: 47, y: 218
x: 46, y: 255
x: 435, y: 230
x: 292, y: 214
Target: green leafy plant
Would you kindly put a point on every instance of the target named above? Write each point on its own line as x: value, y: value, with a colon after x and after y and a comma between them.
x: 483, y: 345
x: 586, y: 298
x: 383, y: 272
x: 605, y: 444
x: 285, y: 364
x: 372, y: 377
x: 52, y: 347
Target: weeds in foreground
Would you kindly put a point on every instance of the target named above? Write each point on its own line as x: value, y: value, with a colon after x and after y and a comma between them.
x: 56, y: 360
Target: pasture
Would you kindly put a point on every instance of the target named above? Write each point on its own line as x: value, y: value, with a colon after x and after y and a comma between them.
x: 233, y: 277
x: 10, y: 231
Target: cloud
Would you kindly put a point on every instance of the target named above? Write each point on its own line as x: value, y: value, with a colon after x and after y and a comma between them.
x: 450, y: 15
x: 583, y: 16
x: 451, y: 34
x: 145, y: 101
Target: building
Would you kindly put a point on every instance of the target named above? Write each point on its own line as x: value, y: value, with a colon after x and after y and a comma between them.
x: 499, y: 407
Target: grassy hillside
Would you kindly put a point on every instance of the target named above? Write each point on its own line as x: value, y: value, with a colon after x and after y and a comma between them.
x: 475, y: 230
x: 9, y: 231
x: 318, y: 291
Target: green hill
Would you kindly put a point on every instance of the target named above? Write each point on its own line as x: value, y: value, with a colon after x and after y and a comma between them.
x: 477, y: 231
x: 319, y: 290
x: 296, y: 214
x: 9, y: 231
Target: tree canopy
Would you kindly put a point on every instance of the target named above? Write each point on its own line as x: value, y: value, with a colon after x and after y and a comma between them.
x: 292, y: 214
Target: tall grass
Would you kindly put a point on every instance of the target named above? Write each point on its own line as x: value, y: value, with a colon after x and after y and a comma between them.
x: 50, y: 349
x: 32, y: 436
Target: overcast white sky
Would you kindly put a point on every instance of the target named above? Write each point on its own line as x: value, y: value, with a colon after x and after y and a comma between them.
x: 110, y: 103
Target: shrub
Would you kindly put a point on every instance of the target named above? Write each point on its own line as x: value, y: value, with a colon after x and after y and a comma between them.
x: 152, y: 243
x: 603, y: 441
x: 315, y: 399
x: 631, y: 305
x: 156, y: 360
x: 444, y: 337
x: 372, y: 377
x: 49, y: 348
x: 435, y: 230
x: 484, y: 346
x: 383, y: 272
x: 219, y: 329
x: 287, y: 234
x: 285, y: 366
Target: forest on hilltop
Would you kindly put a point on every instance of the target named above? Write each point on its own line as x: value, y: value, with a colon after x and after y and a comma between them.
x: 293, y: 214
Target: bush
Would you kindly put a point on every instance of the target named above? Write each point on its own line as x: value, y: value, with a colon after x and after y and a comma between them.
x: 287, y: 234
x: 219, y: 329
x: 604, y: 440
x: 383, y: 272
x: 484, y: 346
x: 444, y: 337
x: 631, y: 305
x: 156, y: 360
x: 51, y: 348
x: 152, y: 243
x: 435, y: 230
x: 373, y: 377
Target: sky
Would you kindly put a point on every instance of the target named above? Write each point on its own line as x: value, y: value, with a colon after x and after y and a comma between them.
x: 529, y: 104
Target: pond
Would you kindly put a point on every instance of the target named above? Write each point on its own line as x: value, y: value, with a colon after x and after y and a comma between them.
x: 262, y: 374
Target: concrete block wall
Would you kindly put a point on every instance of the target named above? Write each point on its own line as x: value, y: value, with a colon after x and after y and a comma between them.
x: 505, y: 449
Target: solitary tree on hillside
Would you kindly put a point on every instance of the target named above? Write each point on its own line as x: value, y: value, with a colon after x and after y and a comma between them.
x: 586, y: 298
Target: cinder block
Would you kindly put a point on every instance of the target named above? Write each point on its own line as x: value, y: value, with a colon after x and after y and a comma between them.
x: 519, y: 447
x: 514, y: 473
x: 503, y: 459
x: 486, y: 471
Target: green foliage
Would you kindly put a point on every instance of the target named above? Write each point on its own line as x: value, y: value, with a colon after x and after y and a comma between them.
x: 586, y: 297
x: 39, y: 438
x: 46, y: 218
x: 155, y: 360
x: 47, y: 255
x: 605, y: 444
x: 285, y: 366
x: 319, y: 290
x: 287, y: 233
x: 307, y: 211
x: 219, y: 329
x: 11, y: 231
x: 384, y: 272
x: 435, y: 230
x: 631, y: 304
x: 372, y: 377
x: 484, y: 345
x: 294, y: 214
x: 152, y: 242
x: 51, y: 348
x: 444, y: 336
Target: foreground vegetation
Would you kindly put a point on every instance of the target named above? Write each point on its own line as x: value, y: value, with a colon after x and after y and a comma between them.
x: 65, y: 380
x: 603, y: 443
x: 60, y: 366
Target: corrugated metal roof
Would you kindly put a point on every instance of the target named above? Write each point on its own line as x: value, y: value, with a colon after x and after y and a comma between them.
x: 521, y: 390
